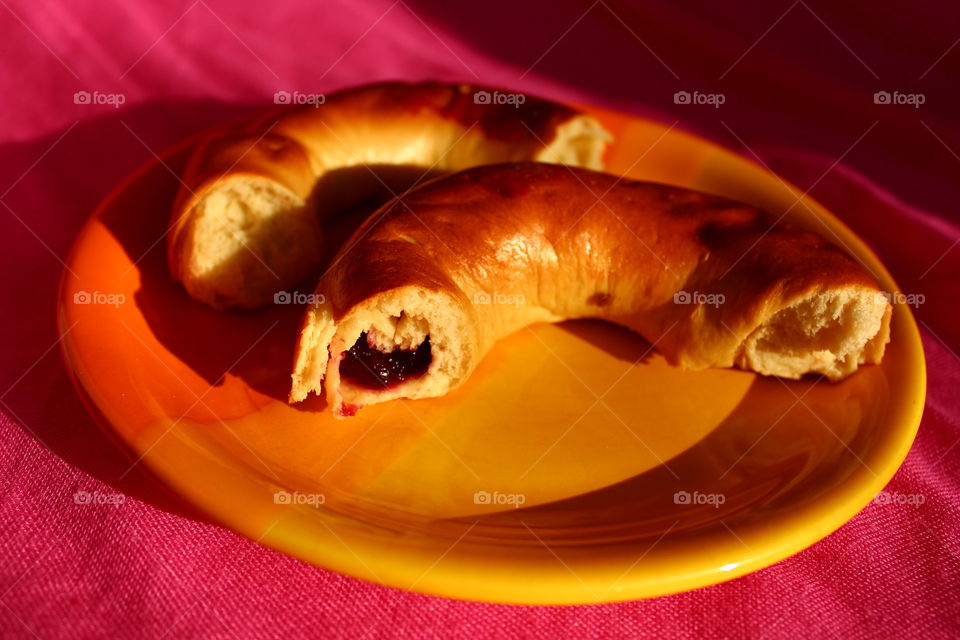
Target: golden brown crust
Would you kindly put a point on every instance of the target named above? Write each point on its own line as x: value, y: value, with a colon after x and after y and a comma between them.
x: 571, y: 243
x: 535, y: 120
x: 667, y: 237
x: 324, y: 154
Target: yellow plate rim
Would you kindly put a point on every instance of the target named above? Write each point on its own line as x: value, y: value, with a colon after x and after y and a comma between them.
x: 486, y: 581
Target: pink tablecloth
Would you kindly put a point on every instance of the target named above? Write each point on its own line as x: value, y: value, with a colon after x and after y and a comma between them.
x: 798, y: 81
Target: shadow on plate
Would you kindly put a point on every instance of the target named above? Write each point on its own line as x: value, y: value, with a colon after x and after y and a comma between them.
x: 60, y: 179
x: 784, y: 445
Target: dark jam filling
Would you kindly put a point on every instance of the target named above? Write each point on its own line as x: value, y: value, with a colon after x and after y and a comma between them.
x: 367, y: 366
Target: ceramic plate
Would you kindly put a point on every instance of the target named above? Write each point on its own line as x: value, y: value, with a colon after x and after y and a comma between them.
x: 575, y: 466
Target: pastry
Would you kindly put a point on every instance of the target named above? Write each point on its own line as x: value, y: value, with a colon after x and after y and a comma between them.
x: 249, y: 220
x: 422, y: 290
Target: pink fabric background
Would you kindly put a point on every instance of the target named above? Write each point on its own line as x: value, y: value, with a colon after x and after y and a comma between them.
x: 800, y: 97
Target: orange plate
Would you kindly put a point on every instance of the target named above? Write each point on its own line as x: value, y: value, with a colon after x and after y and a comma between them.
x: 570, y: 469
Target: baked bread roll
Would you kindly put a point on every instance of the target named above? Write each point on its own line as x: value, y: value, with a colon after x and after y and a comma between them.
x: 249, y: 219
x: 429, y: 283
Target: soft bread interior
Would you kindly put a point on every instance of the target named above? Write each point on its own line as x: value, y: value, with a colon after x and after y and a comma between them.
x: 400, y: 319
x: 251, y: 233
x: 581, y: 141
x: 251, y: 238
x: 830, y: 333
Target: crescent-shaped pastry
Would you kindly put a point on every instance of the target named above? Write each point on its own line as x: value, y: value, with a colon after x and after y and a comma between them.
x: 422, y: 290
x: 249, y: 219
